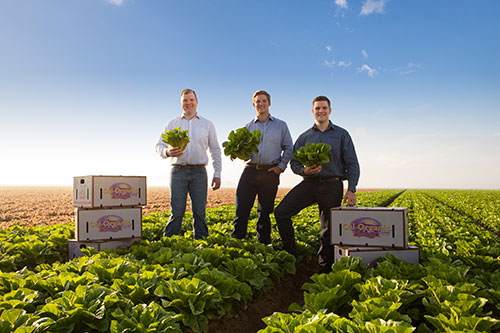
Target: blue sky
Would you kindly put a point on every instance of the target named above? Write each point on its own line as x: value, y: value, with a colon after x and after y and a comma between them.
x: 86, y: 86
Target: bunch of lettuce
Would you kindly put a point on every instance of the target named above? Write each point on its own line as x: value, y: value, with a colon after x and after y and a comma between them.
x: 242, y: 143
x: 176, y: 138
x: 313, y: 154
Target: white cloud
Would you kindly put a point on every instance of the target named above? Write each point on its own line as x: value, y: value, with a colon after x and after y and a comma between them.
x: 116, y: 2
x: 333, y: 63
x: 344, y: 64
x: 341, y: 3
x: 329, y: 48
x: 365, y: 54
x: 373, y: 6
x: 405, y: 70
x: 329, y: 63
x: 365, y: 68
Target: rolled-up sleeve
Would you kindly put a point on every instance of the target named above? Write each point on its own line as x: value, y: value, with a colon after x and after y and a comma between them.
x: 161, y: 147
x: 287, y: 147
x: 215, y: 151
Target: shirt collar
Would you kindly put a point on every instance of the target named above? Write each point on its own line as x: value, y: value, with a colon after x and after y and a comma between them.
x: 195, y: 116
x: 256, y: 119
x: 330, y: 126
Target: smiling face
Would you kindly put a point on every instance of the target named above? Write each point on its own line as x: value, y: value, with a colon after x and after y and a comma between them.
x: 261, y: 104
x: 321, y: 111
x: 189, y: 103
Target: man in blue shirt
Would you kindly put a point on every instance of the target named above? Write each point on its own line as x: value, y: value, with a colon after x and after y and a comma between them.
x: 261, y: 175
x: 322, y: 184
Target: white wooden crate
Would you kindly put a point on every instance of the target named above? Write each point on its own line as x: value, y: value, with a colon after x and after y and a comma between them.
x: 370, y: 226
x: 108, y: 224
x: 109, y: 191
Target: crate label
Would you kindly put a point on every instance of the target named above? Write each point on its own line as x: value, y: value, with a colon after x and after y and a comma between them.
x: 121, y: 191
x: 110, y: 223
x: 367, y: 227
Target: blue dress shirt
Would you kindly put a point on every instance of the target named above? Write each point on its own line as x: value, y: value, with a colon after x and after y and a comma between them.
x: 344, y: 162
x: 276, y: 145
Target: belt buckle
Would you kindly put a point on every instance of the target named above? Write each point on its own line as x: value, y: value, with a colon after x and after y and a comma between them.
x: 260, y: 167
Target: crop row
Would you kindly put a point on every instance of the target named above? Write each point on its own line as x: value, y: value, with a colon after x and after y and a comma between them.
x: 441, y: 231
x: 454, y: 288
x: 482, y: 206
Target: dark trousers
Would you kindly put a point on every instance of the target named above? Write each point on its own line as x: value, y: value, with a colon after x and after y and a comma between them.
x: 327, y: 194
x: 264, y: 185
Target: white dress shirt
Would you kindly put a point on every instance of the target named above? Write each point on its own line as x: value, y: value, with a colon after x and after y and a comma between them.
x: 202, y: 136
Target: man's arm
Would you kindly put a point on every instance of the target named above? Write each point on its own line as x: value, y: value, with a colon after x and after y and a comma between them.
x: 162, y: 147
x: 351, y: 164
x: 215, y: 152
x: 286, y: 149
x: 286, y: 146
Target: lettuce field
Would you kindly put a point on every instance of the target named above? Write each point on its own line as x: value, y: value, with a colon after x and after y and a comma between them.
x: 181, y: 285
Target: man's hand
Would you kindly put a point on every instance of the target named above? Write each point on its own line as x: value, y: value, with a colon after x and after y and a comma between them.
x: 275, y: 169
x: 215, y: 183
x: 350, y: 198
x: 174, y: 152
x: 312, y: 170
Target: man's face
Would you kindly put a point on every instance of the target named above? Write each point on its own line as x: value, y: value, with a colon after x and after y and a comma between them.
x: 321, y: 111
x: 189, y: 103
x: 261, y: 104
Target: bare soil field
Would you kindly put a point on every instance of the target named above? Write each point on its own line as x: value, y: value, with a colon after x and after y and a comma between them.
x: 30, y: 206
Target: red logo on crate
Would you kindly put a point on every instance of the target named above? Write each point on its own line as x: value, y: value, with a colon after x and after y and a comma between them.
x: 368, y: 227
x: 111, y: 223
x: 121, y: 191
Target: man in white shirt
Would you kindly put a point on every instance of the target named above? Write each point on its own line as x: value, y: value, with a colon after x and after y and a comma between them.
x: 188, y: 173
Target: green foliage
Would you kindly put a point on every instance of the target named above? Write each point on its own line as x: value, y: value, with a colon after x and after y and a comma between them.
x: 305, y: 322
x: 313, y: 154
x: 179, y: 284
x: 144, y: 318
x: 193, y: 298
x: 241, y: 144
x: 176, y: 138
x: 323, y: 322
x: 20, y: 247
x: 453, y: 322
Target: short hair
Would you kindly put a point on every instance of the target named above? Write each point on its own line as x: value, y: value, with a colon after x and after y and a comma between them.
x: 188, y: 91
x: 262, y: 92
x: 320, y: 99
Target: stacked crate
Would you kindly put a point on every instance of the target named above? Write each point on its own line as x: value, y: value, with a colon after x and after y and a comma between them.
x: 108, y: 212
x: 371, y: 232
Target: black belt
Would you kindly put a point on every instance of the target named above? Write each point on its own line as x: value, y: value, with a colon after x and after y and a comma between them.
x: 324, y: 179
x: 261, y: 166
x: 189, y: 166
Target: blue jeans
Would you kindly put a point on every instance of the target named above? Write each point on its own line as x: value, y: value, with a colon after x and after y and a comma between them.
x: 184, y: 181
x: 264, y: 185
